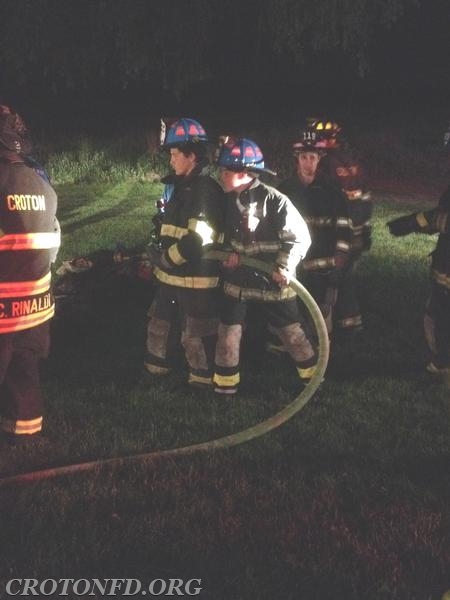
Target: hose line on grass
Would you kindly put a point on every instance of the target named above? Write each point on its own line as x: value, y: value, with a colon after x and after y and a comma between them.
x: 228, y: 441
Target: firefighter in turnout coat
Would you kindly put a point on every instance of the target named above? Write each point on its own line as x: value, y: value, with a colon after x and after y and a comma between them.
x: 342, y: 165
x: 263, y: 224
x: 29, y: 240
x: 324, y: 208
x: 437, y: 312
x: 187, y: 295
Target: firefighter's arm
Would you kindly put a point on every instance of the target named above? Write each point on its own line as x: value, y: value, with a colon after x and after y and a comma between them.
x: 232, y: 262
x: 204, y: 227
x: 281, y: 276
x: 342, y: 249
x: 188, y: 248
x: 407, y: 224
x: 294, y: 237
x: 434, y: 221
x: 431, y: 221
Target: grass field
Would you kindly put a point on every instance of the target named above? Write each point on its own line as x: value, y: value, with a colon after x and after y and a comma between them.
x: 349, y: 500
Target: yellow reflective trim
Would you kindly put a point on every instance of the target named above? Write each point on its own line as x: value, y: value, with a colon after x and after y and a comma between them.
x: 350, y: 322
x: 205, y: 231
x: 175, y: 256
x: 198, y: 379
x: 186, y: 282
x: 343, y: 246
x: 319, y: 263
x: 422, y: 220
x: 25, y: 288
x: 30, y: 241
x: 319, y: 221
x: 240, y: 293
x: 306, y: 373
x: 226, y: 380
x: 155, y: 370
x: 22, y: 427
x: 173, y: 231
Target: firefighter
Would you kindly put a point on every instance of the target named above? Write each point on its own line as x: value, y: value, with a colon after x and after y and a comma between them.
x: 342, y: 164
x: 29, y: 240
x: 264, y: 224
x: 437, y: 311
x: 324, y: 208
x: 187, y: 295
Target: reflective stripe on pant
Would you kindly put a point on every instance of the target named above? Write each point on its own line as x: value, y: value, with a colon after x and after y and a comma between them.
x: 347, y: 313
x: 283, y: 317
x: 199, y: 338
x: 299, y: 347
x: 226, y: 374
x: 21, y: 403
x: 187, y: 314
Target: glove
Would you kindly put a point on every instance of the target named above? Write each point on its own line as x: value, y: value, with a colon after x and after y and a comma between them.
x: 157, y: 258
x: 403, y: 225
x: 281, y: 276
x: 232, y: 262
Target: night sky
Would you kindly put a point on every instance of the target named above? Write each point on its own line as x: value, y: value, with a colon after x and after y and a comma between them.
x: 96, y: 65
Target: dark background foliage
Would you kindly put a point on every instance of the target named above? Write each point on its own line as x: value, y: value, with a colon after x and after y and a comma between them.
x: 96, y: 65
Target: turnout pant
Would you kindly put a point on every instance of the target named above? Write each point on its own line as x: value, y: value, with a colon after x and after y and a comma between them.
x: 283, y: 317
x: 338, y: 302
x: 347, y: 313
x: 21, y: 404
x: 191, y: 314
x: 324, y: 293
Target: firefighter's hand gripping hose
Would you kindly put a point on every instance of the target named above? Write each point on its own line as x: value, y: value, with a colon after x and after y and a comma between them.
x: 228, y: 441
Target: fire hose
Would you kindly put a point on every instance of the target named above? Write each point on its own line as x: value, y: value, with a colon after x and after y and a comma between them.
x: 227, y: 441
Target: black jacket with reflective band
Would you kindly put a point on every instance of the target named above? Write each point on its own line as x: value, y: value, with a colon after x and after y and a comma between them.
x: 262, y: 223
x: 324, y: 207
x: 343, y: 166
x: 29, y: 239
x: 193, y: 224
